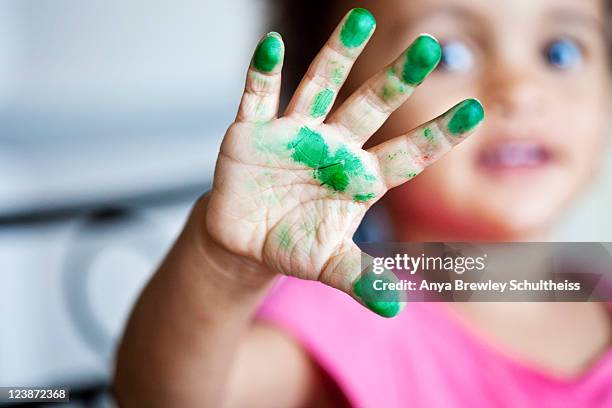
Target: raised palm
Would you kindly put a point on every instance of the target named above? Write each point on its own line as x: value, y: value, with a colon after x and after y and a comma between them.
x: 289, y: 192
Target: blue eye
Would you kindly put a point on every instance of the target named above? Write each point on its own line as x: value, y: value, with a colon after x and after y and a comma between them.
x: 457, y: 57
x: 563, y: 54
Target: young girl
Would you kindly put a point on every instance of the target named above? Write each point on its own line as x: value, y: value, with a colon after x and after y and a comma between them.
x: 291, y: 188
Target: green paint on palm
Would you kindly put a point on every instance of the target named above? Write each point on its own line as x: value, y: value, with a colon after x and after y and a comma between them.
x: 357, y: 28
x: 332, y: 170
x: 284, y: 237
x: 322, y: 102
x: 466, y: 116
x: 309, y: 228
x: 269, y: 53
x: 421, y: 58
x: 264, y: 142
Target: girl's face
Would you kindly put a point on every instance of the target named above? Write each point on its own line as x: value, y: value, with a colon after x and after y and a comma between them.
x: 540, y: 69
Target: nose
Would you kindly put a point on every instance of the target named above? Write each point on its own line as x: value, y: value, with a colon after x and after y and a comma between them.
x: 511, y: 90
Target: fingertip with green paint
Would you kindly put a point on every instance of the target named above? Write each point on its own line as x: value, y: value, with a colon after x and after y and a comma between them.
x: 269, y: 53
x: 465, y: 116
x: 357, y: 28
x: 385, y: 304
x: 421, y: 58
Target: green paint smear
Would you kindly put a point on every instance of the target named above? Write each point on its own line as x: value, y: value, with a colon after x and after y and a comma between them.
x: 383, y: 303
x: 387, y: 93
x: 390, y: 92
x: 363, y: 197
x: 321, y: 103
x: 269, y: 53
x: 357, y: 28
x: 466, y: 116
x: 393, y: 88
x: 411, y: 175
x: 337, y: 75
x: 421, y: 58
x: 309, y: 229
x: 264, y: 143
x: 334, y: 171
x: 428, y: 134
x: 394, y: 155
x: 284, y: 237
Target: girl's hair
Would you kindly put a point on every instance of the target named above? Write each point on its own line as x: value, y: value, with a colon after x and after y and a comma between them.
x: 305, y: 26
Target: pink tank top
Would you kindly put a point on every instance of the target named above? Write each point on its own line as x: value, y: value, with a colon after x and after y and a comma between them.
x: 423, y: 358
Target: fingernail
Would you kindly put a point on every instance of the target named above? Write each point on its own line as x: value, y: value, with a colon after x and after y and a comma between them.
x: 357, y: 28
x: 365, y: 289
x: 269, y: 52
x: 422, y: 57
x: 465, y: 116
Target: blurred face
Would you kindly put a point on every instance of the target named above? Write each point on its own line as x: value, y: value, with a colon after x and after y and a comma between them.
x: 540, y: 69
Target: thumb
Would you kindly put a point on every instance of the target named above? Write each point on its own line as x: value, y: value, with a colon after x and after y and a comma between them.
x: 349, y: 270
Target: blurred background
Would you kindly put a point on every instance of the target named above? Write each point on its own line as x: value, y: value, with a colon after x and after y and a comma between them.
x: 111, y: 115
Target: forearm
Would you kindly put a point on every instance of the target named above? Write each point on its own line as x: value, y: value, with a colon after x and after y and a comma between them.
x: 184, y: 332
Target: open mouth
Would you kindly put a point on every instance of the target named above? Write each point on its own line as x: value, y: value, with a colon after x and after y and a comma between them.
x: 515, y: 155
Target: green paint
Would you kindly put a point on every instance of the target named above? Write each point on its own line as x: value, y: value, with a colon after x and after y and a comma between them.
x: 265, y: 142
x: 321, y: 104
x: 393, y: 156
x: 422, y: 57
x: 260, y: 108
x: 363, y: 197
x: 334, y: 171
x: 393, y: 87
x: 466, y: 116
x: 337, y: 75
x: 269, y: 53
x: 391, y: 91
x: 428, y: 134
x: 387, y: 93
x: 260, y: 141
x: 284, y: 237
x: 259, y: 136
x: 309, y: 228
x: 357, y: 28
x: 411, y: 175
x: 384, y: 302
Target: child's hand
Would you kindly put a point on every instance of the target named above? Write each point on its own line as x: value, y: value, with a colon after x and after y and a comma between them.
x: 289, y: 192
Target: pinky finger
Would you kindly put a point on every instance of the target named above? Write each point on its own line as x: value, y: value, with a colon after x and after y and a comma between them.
x: 403, y: 157
x: 262, y: 90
